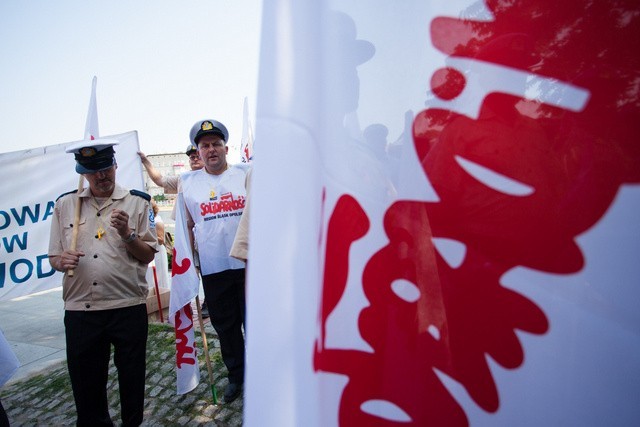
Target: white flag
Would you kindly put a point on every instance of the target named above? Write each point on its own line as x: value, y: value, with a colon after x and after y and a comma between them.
x: 91, y: 129
x: 463, y: 227
x: 184, y: 288
x: 246, y: 145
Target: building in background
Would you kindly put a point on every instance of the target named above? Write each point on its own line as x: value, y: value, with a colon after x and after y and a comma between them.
x: 168, y: 165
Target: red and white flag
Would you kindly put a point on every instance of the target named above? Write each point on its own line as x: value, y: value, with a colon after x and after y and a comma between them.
x: 184, y: 288
x: 246, y: 144
x: 463, y: 230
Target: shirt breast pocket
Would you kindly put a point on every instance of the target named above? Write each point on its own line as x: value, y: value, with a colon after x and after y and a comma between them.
x: 68, y: 231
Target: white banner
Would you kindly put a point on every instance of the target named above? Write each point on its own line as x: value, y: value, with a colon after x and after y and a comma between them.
x: 30, y: 182
x: 461, y: 239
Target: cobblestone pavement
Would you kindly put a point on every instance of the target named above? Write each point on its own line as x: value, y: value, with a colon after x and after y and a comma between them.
x: 45, y: 399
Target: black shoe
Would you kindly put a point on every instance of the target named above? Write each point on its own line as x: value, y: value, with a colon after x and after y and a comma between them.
x: 232, y: 392
x: 204, y: 310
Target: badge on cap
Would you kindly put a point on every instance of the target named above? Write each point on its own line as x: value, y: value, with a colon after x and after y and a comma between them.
x: 89, y: 148
x: 206, y: 126
x: 88, y: 152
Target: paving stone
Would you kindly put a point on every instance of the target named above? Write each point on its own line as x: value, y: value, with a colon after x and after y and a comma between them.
x: 155, y: 378
x: 235, y: 420
x: 155, y: 391
x: 52, y: 404
x: 210, y: 410
x: 183, y: 420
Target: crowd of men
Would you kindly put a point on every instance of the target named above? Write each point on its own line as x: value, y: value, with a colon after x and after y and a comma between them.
x: 103, y: 237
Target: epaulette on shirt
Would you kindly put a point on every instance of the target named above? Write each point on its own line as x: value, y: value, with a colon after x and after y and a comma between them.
x: 141, y: 194
x: 68, y: 192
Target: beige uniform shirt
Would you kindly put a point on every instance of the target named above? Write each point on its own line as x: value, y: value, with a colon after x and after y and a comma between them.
x: 240, y: 248
x: 171, y: 185
x: 108, y: 276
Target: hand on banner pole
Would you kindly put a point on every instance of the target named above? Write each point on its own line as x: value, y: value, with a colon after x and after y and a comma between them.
x: 68, y: 261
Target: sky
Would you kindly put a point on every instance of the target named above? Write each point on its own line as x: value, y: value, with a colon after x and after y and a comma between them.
x: 160, y: 66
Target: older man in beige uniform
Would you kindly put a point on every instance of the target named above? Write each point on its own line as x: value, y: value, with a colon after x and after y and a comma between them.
x: 105, y: 298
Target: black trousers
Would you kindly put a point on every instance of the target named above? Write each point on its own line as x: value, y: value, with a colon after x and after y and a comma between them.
x: 89, y: 336
x: 224, y: 293
x: 4, y: 420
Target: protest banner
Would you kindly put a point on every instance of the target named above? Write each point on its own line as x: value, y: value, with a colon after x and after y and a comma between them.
x: 30, y: 182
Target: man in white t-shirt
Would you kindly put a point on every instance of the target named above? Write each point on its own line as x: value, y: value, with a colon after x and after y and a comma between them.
x: 215, y: 197
x: 171, y: 185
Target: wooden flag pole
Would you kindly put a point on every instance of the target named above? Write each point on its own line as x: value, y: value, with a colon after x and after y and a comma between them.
x: 76, y: 220
x: 206, y: 351
x: 157, y: 289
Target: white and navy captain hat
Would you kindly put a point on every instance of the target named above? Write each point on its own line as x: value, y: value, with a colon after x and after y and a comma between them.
x: 93, y: 155
x: 206, y: 127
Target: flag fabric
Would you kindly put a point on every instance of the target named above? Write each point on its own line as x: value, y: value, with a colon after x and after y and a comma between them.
x: 184, y: 288
x: 246, y: 144
x: 9, y: 363
x: 463, y: 230
x: 91, y: 129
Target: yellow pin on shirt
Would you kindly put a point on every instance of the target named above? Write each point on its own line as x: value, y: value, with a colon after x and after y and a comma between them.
x: 100, y: 232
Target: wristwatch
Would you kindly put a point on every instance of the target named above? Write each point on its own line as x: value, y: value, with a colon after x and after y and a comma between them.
x: 130, y: 238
